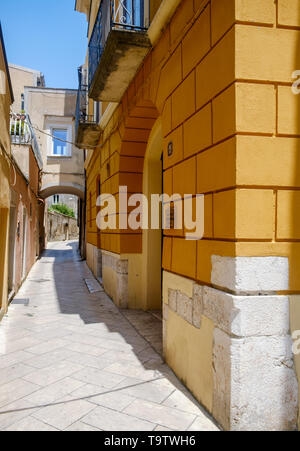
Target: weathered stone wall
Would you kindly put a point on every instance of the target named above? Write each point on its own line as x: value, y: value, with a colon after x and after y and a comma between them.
x: 61, y: 227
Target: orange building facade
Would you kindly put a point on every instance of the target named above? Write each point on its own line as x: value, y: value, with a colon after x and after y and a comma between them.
x: 6, y: 99
x: 210, y: 111
x: 26, y: 220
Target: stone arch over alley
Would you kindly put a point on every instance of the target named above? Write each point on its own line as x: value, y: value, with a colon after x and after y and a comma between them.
x: 62, y: 187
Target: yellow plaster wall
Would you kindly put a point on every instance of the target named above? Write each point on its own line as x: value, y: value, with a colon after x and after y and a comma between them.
x: 153, y: 7
x: 268, y: 161
x: 152, y: 239
x: 227, y: 106
x: 171, y: 280
x: 188, y: 351
x: 234, y: 135
x: 230, y: 113
x: 135, y: 281
x: 91, y: 208
x: 224, y: 131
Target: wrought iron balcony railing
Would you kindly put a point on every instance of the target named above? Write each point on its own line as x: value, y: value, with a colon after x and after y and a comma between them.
x: 82, y: 107
x: 125, y: 15
x: 86, y: 125
x: 22, y: 133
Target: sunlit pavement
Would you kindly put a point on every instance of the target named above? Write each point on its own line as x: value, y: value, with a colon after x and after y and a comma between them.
x: 71, y: 360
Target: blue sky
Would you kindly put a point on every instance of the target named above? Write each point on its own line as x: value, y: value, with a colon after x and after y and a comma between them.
x: 48, y: 36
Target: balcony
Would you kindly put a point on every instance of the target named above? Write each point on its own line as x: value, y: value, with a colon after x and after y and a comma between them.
x: 20, y: 130
x: 117, y: 47
x: 87, y: 129
x: 22, y: 135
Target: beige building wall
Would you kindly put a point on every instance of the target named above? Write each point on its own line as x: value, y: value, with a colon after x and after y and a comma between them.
x: 20, y: 77
x: 49, y: 108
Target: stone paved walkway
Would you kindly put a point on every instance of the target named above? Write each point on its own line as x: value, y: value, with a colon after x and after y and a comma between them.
x: 70, y: 360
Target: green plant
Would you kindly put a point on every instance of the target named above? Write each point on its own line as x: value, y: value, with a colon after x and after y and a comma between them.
x: 20, y: 126
x: 18, y: 131
x: 63, y: 209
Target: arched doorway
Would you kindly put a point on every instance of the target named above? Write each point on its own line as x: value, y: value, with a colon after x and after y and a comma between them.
x: 62, y: 217
x: 152, y: 238
x: 60, y: 192
x: 99, y: 253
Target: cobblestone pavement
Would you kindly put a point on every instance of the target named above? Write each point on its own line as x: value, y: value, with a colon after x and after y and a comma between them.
x: 70, y: 360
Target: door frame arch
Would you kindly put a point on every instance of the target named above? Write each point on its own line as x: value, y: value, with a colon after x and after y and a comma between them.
x: 152, y: 239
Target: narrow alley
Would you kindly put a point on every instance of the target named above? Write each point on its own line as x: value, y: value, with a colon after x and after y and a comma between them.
x: 149, y: 217
x: 71, y: 360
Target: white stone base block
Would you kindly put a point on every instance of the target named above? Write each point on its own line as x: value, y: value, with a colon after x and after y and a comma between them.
x: 94, y: 260
x: 255, y: 382
x: 115, y: 278
x: 247, y: 316
x: 250, y: 274
x: 255, y: 385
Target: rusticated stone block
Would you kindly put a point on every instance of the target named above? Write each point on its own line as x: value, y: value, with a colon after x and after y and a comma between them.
x: 185, y: 307
x: 255, y: 384
x: 197, y: 305
x: 173, y: 300
x: 251, y: 274
x: 246, y: 316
